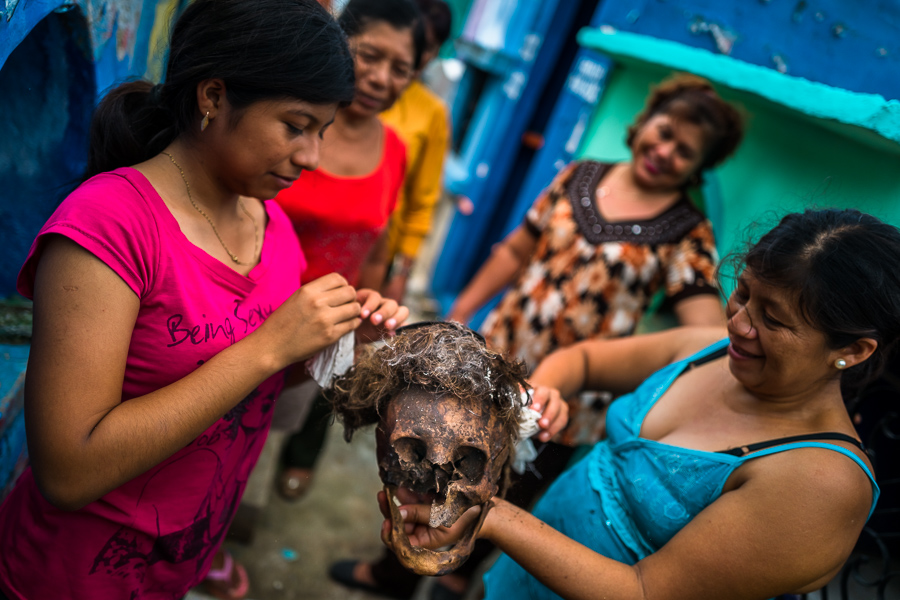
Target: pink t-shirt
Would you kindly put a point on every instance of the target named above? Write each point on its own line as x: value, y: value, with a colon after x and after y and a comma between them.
x: 154, y: 537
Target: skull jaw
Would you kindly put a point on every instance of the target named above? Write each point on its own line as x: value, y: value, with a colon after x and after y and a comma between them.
x: 429, y: 562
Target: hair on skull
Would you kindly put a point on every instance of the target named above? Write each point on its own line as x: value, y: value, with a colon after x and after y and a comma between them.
x: 440, y: 358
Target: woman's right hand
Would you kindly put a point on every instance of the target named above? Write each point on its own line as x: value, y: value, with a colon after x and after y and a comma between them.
x: 417, y: 529
x: 314, y: 317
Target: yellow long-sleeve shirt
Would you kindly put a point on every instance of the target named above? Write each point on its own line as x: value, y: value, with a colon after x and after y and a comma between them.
x: 420, y: 119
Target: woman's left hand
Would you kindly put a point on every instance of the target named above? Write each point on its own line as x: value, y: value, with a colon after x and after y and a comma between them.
x: 554, y: 411
x: 380, y: 315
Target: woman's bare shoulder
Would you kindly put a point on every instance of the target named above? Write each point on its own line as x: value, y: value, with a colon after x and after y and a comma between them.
x: 815, y: 475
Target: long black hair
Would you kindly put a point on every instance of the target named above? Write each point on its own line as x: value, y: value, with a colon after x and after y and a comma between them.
x: 261, y: 49
x: 843, y: 266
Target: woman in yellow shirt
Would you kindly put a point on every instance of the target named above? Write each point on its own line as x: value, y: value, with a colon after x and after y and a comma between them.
x: 420, y: 118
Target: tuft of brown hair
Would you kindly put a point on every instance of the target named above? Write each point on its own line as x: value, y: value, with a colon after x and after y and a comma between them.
x: 440, y: 358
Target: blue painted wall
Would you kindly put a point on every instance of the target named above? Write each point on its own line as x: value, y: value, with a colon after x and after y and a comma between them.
x: 521, y: 74
x: 13, y: 455
x: 57, y: 58
x: 849, y: 44
x: 48, y: 91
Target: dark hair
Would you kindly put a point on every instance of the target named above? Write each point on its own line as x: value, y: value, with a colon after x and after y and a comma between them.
x: 843, y: 266
x: 399, y: 14
x: 438, y: 18
x: 261, y: 49
x: 694, y: 100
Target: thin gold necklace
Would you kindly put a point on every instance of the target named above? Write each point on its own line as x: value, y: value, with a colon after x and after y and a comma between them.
x: 233, y: 256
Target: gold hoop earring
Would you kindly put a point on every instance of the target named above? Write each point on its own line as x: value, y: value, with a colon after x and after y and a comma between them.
x: 840, y: 364
x: 205, y: 122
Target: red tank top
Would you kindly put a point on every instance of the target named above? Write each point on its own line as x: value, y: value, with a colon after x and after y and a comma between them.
x: 337, y: 218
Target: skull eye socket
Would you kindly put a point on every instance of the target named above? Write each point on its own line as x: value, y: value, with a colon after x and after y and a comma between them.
x: 470, y: 463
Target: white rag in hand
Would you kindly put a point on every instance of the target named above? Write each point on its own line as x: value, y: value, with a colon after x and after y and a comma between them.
x: 333, y: 361
x: 525, y: 452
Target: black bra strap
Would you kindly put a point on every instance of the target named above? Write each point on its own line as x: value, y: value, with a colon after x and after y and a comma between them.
x: 705, y: 359
x: 744, y: 450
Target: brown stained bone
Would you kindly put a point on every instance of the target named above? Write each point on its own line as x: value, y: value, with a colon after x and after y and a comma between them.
x: 450, y: 450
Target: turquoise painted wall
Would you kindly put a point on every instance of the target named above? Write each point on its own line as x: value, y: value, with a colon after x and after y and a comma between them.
x: 788, y: 160
x: 459, y: 9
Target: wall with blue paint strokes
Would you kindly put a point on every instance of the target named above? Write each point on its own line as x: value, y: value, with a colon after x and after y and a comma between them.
x: 847, y: 44
x: 47, y: 96
x: 57, y: 58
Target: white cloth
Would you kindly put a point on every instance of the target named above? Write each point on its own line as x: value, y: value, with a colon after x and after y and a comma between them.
x: 333, y: 361
x: 525, y: 452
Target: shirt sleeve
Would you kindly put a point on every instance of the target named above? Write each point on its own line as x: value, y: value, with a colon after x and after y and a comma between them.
x: 691, y: 268
x: 538, y: 215
x: 111, y: 218
x: 422, y: 188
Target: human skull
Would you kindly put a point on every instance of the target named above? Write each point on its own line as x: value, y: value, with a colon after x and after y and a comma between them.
x: 447, y: 409
x: 449, y: 450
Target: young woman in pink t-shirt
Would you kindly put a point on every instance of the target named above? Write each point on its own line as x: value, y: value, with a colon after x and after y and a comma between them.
x: 167, y: 304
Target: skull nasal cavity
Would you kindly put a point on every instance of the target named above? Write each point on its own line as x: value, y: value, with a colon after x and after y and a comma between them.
x: 411, y: 449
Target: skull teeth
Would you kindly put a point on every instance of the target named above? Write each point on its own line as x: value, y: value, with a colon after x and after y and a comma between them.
x: 442, y: 514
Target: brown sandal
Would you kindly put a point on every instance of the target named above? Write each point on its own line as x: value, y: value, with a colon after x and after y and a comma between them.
x: 228, y: 582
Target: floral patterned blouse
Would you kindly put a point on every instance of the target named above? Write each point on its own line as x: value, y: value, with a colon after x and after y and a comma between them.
x: 591, y: 278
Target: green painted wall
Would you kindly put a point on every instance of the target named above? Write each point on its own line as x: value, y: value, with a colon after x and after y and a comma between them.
x: 788, y: 160
x: 460, y: 10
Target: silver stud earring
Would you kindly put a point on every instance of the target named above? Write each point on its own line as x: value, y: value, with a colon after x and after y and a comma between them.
x: 205, y: 121
x: 840, y: 363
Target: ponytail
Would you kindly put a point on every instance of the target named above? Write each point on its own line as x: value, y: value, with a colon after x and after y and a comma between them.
x: 129, y: 126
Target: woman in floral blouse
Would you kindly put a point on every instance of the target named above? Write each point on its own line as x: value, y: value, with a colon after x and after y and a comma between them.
x: 602, y: 239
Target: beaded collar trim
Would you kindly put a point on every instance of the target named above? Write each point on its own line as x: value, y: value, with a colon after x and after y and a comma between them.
x: 668, y: 227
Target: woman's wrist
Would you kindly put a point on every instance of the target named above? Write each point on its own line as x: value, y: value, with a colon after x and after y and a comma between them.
x: 455, y: 314
x: 264, y: 355
x: 401, y: 266
x: 497, y: 511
